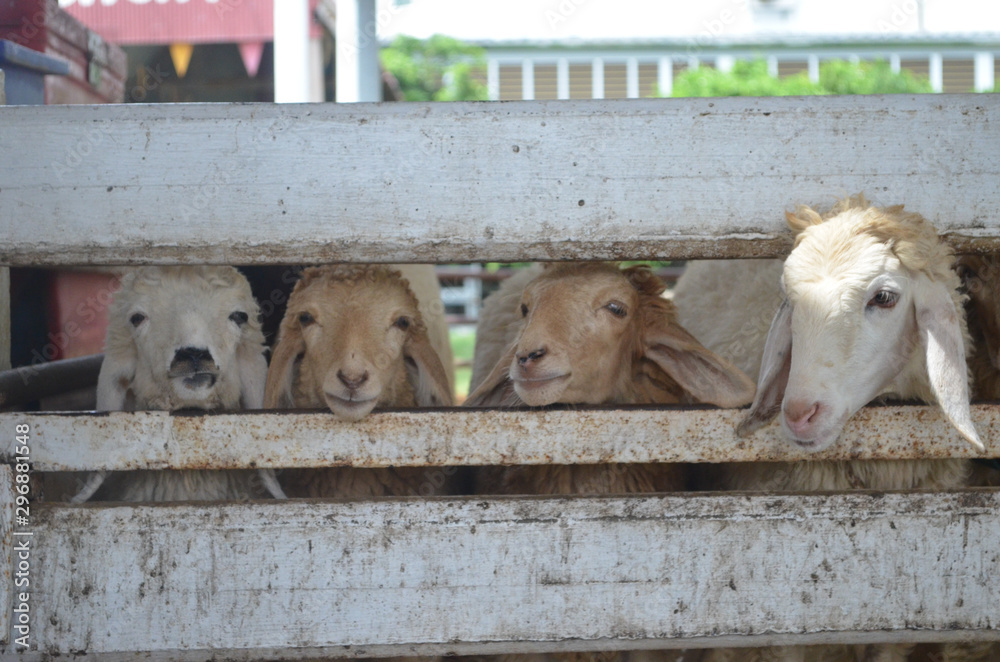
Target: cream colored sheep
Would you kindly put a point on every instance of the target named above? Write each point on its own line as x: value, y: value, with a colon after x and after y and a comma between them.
x: 182, y: 338
x: 870, y: 308
x: 353, y: 340
x: 591, y: 333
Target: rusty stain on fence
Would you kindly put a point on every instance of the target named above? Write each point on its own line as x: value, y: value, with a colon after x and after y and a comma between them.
x: 443, y: 437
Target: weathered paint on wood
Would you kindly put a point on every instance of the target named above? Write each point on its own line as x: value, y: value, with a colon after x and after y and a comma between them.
x: 131, y: 440
x: 353, y: 579
x: 4, y: 318
x: 7, y: 561
x: 595, y: 179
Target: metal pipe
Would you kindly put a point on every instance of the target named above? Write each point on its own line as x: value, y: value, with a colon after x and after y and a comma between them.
x: 30, y: 383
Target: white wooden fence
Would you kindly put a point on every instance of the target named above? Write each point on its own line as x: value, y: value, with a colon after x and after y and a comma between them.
x: 473, y: 182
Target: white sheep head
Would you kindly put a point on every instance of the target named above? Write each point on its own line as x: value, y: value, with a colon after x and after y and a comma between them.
x: 353, y: 339
x: 593, y: 333
x: 872, y: 309
x: 183, y: 337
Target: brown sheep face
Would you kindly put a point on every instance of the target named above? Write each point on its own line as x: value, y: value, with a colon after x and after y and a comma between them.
x: 354, y: 336
x: 577, y: 335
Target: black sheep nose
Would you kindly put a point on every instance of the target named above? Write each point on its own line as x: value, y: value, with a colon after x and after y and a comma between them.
x: 352, y: 382
x: 192, y: 355
x: 534, y: 355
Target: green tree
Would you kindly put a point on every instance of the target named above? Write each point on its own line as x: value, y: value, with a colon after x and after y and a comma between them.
x: 750, y: 78
x: 436, y: 69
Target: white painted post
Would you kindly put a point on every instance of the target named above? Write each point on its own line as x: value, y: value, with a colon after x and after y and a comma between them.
x: 358, y: 77
x: 724, y: 63
x: 597, y: 78
x: 984, y: 71
x: 317, y: 85
x: 814, y: 68
x: 527, y: 80
x: 291, y: 51
x: 562, y: 78
x: 493, y: 79
x: 936, y: 71
x: 894, y: 63
x: 632, y: 78
x: 772, y: 66
x: 665, y: 75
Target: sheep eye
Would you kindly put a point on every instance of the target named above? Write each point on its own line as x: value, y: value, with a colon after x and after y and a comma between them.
x: 305, y: 319
x: 402, y: 323
x: 884, y: 299
x: 524, y: 310
x: 240, y: 317
x: 617, y: 308
x: 966, y: 273
x: 137, y: 319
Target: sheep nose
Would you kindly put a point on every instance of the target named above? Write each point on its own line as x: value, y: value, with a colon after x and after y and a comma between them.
x: 524, y: 358
x: 352, y: 382
x: 800, y: 415
x: 192, y: 355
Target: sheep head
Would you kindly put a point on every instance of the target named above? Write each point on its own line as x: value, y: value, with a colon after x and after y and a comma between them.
x: 183, y: 337
x: 981, y: 281
x: 353, y: 339
x: 872, y: 309
x: 592, y: 333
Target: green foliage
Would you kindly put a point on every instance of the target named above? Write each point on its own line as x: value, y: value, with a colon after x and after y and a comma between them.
x: 750, y: 78
x: 436, y: 69
x: 841, y: 77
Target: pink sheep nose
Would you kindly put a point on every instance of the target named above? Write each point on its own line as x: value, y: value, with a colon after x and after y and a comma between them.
x: 353, y: 381
x: 800, y: 415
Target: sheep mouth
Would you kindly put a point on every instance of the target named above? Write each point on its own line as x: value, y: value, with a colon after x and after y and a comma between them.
x: 538, y: 382
x: 196, y: 380
x: 349, y: 403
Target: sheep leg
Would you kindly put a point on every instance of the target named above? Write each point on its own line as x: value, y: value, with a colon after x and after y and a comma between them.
x: 271, y: 483
x: 93, y: 483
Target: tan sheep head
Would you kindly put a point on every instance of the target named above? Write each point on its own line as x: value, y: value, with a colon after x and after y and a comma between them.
x: 593, y: 333
x: 183, y: 337
x: 872, y: 308
x: 353, y: 339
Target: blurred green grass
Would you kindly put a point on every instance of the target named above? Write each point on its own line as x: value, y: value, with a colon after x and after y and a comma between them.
x: 463, y: 343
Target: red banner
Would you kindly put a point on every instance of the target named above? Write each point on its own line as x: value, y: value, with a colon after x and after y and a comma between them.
x: 171, y: 21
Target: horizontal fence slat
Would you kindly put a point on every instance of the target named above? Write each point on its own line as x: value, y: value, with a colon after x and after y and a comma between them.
x: 410, y: 576
x: 133, y: 440
x: 589, y: 179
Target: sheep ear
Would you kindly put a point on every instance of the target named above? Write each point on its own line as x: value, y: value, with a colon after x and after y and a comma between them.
x: 278, y: 388
x: 497, y: 389
x: 938, y: 322
x: 426, y: 372
x: 774, y: 367
x: 114, y: 382
x: 252, y: 367
x: 802, y: 218
x: 705, y: 375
